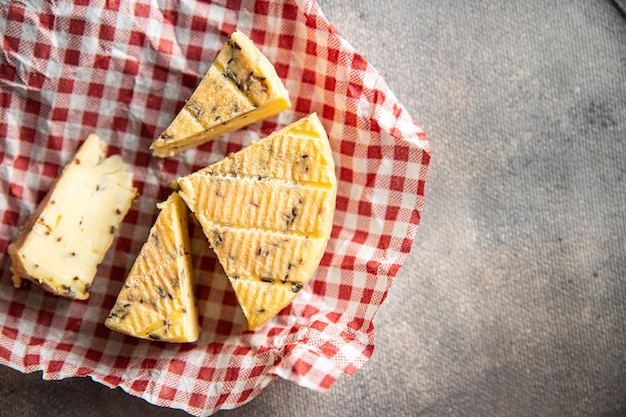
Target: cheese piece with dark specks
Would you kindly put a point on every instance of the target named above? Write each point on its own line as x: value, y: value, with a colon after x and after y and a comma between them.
x: 157, y: 300
x: 240, y: 88
x: 62, y: 243
x: 267, y: 212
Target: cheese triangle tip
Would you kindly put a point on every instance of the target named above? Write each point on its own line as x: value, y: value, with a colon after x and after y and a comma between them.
x: 157, y: 300
x: 240, y: 88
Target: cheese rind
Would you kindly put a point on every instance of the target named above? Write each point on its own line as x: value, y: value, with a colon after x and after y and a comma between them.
x: 267, y: 212
x: 240, y: 88
x: 157, y: 300
x: 62, y: 243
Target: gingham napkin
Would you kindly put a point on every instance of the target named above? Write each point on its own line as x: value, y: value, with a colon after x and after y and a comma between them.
x: 122, y: 70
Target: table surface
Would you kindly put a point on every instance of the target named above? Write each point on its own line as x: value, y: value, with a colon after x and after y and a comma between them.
x: 511, y: 302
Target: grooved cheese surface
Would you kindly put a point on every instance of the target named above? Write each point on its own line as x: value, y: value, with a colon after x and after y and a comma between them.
x: 263, y: 203
x: 62, y: 243
x: 157, y: 299
x: 240, y: 88
x: 267, y: 212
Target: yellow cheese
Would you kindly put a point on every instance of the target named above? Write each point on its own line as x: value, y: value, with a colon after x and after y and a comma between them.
x: 240, y: 88
x: 267, y: 212
x: 157, y: 300
x: 62, y: 243
x: 265, y: 203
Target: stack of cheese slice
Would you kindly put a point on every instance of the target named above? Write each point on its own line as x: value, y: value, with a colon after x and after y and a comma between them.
x: 157, y: 300
x: 65, y: 239
x: 267, y: 212
x: 240, y: 88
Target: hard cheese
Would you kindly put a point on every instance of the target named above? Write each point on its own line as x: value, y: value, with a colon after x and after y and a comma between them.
x: 157, y: 300
x: 267, y: 212
x: 62, y: 243
x: 240, y: 88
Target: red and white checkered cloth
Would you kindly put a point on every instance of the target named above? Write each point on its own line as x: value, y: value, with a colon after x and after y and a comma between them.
x: 122, y: 70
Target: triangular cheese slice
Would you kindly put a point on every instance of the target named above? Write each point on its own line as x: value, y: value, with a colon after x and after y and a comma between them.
x: 267, y: 212
x: 240, y: 88
x: 157, y: 300
x: 65, y: 239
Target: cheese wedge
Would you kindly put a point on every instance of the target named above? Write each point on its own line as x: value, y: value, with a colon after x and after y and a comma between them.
x: 267, y: 212
x: 65, y: 239
x: 240, y: 88
x: 157, y: 301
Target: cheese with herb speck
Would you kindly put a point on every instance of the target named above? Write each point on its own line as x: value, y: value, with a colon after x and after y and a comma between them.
x: 240, y: 88
x: 267, y: 212
x: 157, y: 300
x: 62, y: 243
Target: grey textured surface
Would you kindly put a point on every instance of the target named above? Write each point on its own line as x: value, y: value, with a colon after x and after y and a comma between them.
x: 512, y: 300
